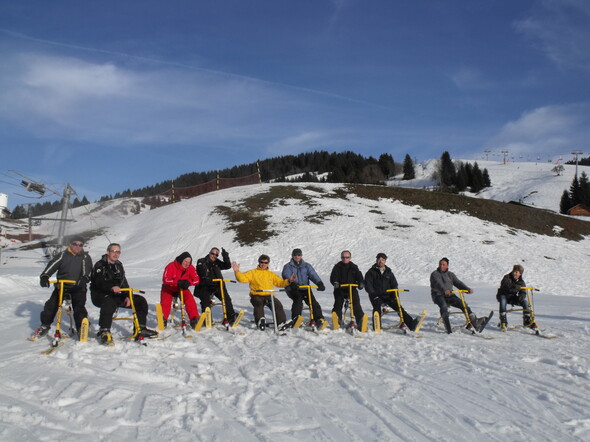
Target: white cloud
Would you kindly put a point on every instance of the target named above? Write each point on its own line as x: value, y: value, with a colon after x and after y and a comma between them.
x: 547, y: 130
x: 562, y: 30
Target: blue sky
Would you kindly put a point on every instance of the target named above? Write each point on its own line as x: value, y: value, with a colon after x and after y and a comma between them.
x: 113, y: 95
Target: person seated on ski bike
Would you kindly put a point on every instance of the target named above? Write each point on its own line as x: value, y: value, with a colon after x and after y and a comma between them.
x: 304, y: 274
x: 378, y: 280
x: 262, y: 282
x: 178, y: 275
x: 208, y: 269
x: 108, y: 278
x: 510, y: 292
x: 72, y: 264
x: 442, y: 281
x: 347, y: 272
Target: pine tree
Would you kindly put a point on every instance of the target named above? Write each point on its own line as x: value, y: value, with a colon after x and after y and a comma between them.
x: 409, y: 172
x: 584, y: 189
x: 447, y: 171
x: 566, y: 203
x: 462, y: 181
x: 477, y: 179
x: 386, y: 164
x: 575, y: 192
x: 486, y: 179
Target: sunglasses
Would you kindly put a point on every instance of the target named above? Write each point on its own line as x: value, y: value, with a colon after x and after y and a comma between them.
x: 345, y: 257
x: 78, y: 244
x: 214, y: 254
x: 262, y: 262
x: 118, y: 252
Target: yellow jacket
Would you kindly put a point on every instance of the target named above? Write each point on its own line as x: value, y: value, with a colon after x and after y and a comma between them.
x: 260, y: 279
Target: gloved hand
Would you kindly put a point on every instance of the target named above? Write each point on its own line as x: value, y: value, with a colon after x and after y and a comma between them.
x: 82, y: 281
x: 361, y: 286
x: 294, y: 285
x: 224, y: 254
x: 183, y: 284
x: 321, y: 286
x: 336, y: 285
x: 44, y: 281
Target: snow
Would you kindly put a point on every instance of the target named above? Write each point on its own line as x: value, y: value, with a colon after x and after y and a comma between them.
x: 252, y: 385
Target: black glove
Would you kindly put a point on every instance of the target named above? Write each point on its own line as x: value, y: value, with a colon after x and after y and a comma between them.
x: 224, y: 253
x: 361, y: 286
x: 336, y: 285
x: 82, y: 281
x: 44, y: 281
x: 321, y: 286
x: 183, y: 284
x: 294, y: 285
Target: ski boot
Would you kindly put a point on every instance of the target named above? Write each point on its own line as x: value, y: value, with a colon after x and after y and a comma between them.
x: 40, y: 332
x: 503, y: 322
x: 145, y: 332
x: 104, y: 337
x: 262, y: 324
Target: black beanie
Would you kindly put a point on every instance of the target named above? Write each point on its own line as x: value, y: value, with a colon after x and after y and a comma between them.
x: 381, y: 255
x: 183, y: 256
x: 296, y: 252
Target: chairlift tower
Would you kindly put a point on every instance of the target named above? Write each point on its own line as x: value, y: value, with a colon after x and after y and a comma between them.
x: 65, y: 206
x: 576, y: 153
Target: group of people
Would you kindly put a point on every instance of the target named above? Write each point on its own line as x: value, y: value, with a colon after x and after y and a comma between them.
x: 107, y: 279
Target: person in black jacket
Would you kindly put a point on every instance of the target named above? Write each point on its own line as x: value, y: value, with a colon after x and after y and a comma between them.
x: 108, y: 279
x: 378, y: 280
x: 208, y: 269
x: 72, y: 264
x: 346, y: 272
x: 510, y: 292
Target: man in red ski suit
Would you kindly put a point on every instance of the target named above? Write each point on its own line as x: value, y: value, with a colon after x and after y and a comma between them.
x: 180, y: 274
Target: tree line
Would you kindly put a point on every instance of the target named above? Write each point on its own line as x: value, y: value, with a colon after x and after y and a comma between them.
x: 579, y: 193
x: 317, y: 166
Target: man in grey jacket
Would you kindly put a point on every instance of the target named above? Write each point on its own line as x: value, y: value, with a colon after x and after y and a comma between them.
x: 304, y: 274
x: 442, y: 281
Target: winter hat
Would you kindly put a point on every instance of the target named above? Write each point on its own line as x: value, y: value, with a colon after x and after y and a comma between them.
x: 518, y: 268
x: 183, y: 256
x: 297, y: 252
x: 381, y: 255
x: 77, y: 238
x: 444, y: 259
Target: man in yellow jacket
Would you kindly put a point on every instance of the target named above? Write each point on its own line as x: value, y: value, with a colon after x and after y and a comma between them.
x: 261, y: 280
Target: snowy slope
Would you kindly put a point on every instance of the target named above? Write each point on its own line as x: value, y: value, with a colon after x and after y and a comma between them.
x: 257, y: 386
x: 533, y: 184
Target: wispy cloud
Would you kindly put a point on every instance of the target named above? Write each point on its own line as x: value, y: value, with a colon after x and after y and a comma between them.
x: 548, y: 129
x: 469, y: 78
x: 76, y: 100
x: 561, y: 28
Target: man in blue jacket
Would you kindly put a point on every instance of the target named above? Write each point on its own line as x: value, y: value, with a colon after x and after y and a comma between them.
x: 304, y: 273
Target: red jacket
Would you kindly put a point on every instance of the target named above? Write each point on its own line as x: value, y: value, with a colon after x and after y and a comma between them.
x: 174, y: 272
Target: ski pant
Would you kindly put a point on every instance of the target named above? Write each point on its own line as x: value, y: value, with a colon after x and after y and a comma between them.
x: 110, y: 302
x: 78, y: 297
x: 299, y: 296
x: 444, y: 302
x: 205, y: 294
x: 514, y: 300
x: 259, y: 301
x: 166, y: 298
x: 340, y: 296
x: 378, y: 300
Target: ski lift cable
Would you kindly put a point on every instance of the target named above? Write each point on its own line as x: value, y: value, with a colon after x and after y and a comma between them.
x: 92, y: 218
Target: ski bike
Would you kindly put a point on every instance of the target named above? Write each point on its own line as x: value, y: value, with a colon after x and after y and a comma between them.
x: 136, y: 328
x: 178, y: 304
x: 377, y: 326
x: 468, y: 325
x: 348, y: 304
x: 64, y: 302
x: 532, y: 324
x: 225, y: 321
x: 312, y: 322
